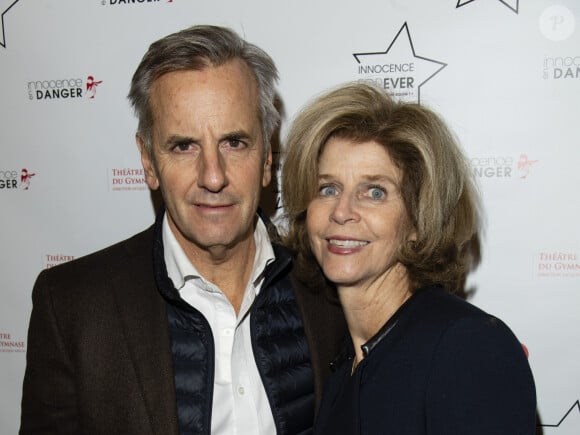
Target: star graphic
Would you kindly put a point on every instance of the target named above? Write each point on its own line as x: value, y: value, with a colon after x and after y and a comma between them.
x: 512, y: 4
x: 570, y: 420
x: 5, y: 6
x: 402, y: 52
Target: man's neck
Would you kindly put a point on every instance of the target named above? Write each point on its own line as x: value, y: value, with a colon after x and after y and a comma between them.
x: 229, y: 269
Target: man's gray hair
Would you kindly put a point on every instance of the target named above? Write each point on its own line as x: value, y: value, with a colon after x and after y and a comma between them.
x: 194, y: 49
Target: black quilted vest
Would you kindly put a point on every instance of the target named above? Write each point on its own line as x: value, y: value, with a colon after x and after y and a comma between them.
x: 279, y: 346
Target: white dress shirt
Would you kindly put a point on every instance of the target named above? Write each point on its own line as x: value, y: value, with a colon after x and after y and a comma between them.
x: 240, y: 405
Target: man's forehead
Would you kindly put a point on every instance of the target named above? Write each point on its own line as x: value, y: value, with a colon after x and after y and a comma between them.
x: 232, y: 69
x: 230, y: 87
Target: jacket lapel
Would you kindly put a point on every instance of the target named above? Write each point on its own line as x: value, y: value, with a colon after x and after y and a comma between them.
x: 143, y: 315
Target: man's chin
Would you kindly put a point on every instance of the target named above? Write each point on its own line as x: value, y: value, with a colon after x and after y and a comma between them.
x: 208, y: 240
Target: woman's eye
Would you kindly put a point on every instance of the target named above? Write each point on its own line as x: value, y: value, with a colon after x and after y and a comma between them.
x: 328, y: 191
x: 377, y: 193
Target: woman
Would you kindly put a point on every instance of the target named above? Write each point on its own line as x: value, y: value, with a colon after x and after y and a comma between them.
x: 380, y: 195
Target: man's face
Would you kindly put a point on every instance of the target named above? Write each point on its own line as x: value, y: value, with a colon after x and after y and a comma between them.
x: 207, y: 155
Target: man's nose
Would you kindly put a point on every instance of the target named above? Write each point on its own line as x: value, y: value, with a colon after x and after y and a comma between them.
x: 212, y: 170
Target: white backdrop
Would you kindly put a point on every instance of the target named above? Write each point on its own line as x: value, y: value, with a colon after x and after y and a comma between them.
x: 504, y: 73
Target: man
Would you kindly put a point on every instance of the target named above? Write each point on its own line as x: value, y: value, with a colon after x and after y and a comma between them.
x: 196, y: 325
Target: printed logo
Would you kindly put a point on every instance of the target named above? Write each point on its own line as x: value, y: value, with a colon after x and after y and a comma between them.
x: 524, y: 165
x: 561, y: 67
x: 11, y: 179
x: 92, y: 86
x: 504, y: 167
x: 558, y: 264
x: 51, y: 260
x: 63, y: 89
x: 124, y: 179
x: 131, y: 2
x: 512, y: 4
x: 569, y: 422
x: 5, y: 6
x: 9, y: 344
x: 557, y: 23
x: 398, y: 69
x: 25, y: 177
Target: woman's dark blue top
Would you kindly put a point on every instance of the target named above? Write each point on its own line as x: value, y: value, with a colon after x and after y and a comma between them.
x: 438, y: 366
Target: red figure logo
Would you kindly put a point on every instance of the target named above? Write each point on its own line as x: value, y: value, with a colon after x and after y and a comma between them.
x: 92, y: 86
x: 524, y: 165
x: 25, y: 177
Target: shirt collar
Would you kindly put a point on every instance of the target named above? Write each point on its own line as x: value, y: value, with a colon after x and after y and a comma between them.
x: 180, y: 269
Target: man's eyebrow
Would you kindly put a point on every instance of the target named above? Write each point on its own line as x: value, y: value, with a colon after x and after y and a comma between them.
x: 176, y: 139
x: 236, y: 135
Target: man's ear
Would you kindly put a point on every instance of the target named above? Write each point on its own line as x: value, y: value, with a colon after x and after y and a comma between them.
x: 148, y: 164
x: 267, y: 176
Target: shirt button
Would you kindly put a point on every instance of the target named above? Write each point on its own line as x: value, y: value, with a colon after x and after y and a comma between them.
x: 227, y: 332
x: 241, y: 390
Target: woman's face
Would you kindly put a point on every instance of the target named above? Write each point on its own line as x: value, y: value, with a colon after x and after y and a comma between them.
x: 356, y: 220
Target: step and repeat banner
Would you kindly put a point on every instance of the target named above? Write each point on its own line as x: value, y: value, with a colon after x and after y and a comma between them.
x: 505, y: 74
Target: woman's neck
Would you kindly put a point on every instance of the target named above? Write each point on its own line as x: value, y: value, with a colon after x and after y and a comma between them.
x: 368, y: 307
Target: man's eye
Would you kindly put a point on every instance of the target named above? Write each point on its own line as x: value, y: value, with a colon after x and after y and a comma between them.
x: 328, y: 191
x: 236, y: 143
x: 182, y: 146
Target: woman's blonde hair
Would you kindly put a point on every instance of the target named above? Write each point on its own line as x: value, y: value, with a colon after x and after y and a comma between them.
x: 437, y: 186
